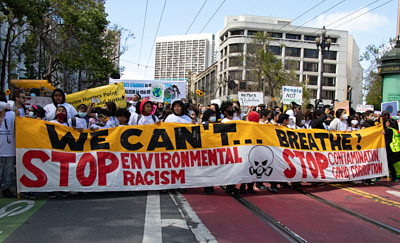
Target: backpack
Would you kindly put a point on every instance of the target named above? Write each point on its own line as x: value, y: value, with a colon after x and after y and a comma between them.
x: 395, y: 144
x: 140, y: 116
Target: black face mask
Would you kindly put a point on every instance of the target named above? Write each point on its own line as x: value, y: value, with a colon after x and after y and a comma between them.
x: 327, y: 122
x: 230, y: 112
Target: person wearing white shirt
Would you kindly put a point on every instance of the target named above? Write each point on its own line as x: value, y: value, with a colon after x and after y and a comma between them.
x: 146, y: 115
x: 19, y: 103
x: 81, y: 120
x: 61, y: 116
x: 179, y: 113
x: 340, y: 122
x: 58, y: 98
x: 7, y: 149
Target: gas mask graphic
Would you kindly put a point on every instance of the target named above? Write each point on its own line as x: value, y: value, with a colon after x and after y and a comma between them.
x: 261, y: 158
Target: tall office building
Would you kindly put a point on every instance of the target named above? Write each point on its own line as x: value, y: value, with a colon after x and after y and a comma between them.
x: 176, y: 56
x: 294, y: 45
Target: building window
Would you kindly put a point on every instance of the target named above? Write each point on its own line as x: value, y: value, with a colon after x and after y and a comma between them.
x: 252, y: 32
x: 292, y: 52
x: 293, y: 37
x: 236, y: 48
x: 312, y: 80
x: 313, y: 94
x: 310, y: 53
x: 310, y: 66
x: 253, y: 48
x: 277, y: 50
x: 328, y: 94
x: 275, y: 35
x: 237, y: 32
x: 330, y: 55
x: 309, y: 38
x: 329, y: 68
x: 242, y: 85
x: 292, y: 65
x: 236, y: 75
x: 235, y: 61
x: 329, y: 81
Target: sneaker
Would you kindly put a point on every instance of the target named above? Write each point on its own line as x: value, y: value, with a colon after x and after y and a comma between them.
x: 32, y: 195
x: 274, y: 190
x: 7, y: 193
x: 51, y: 195
x: 64, y: 194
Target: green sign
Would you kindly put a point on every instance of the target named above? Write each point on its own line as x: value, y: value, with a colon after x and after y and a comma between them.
x: 391, y: 88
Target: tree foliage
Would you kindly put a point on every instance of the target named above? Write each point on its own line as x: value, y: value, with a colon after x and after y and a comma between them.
x: 372, y: 81
x: 70, y: 43
x: 268, y: 71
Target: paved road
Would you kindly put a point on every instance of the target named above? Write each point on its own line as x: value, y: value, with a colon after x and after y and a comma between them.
x: 310, y: 213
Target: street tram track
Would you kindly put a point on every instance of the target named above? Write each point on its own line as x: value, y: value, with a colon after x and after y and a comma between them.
x: 369, y: 220
x: 281, y: 229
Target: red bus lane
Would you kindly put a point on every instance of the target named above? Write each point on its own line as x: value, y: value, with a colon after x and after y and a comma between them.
x: 227, y: 219
x: 371, y: 201
x: 316, y: 221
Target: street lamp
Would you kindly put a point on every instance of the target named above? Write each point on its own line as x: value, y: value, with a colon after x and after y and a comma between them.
x: 323, y: 42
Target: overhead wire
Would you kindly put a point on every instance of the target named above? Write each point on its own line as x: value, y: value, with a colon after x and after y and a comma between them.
x: 196, y: 17
x: 212, y: 16
x: 155, y: 36
x: 144, y: 25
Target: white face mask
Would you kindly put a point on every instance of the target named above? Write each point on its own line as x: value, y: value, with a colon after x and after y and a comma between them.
x: 190, y: 112
x: 213, y: 119
x: 303, y: 122
x: 31, y: 114
x: 345, y: 116
x: 354, y: 122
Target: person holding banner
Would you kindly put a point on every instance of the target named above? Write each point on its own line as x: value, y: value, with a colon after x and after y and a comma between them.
x: 144, y: 114
x: 81, y: 120
x: 58, y: 98
x: 208, y: 117
x: 179, y: 113
x: 393, y: 156
x: 340, y: 122
x: 61, y: 116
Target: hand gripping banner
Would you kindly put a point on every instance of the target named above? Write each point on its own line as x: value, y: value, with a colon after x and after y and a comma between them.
x: 51, y: 157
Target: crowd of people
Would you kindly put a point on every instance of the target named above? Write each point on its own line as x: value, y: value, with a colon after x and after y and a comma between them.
x: 144, y: 112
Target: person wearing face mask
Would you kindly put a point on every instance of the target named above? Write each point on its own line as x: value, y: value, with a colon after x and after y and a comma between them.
x: 36, y: 112
x: 237, y: 115
x: 133, y: 102
x: 81, y: 120
x: 353, y: 124
x: 369, y: 120
x: 145, y: 116
x: 61, y: 116
x: 209, y: 116
x: 265, y: 116
x: 102, y: 118
x: 340, y: 122
x: 300, y: 120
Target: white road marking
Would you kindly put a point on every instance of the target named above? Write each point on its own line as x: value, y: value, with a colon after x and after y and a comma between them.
x: 396, y: 193
x: 197, y: 227
x: 180, y: 223
x: 152, y: 223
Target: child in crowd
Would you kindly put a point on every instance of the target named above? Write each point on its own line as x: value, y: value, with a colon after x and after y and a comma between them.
x: 81, y: 120
x: 179, y: 113
x: 36, y: 112
x: 102, y: 118
x: 61, y: 116
x: 123, y: 116
x: 145, y: 114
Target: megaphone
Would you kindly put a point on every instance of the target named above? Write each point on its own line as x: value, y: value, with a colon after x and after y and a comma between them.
x: 8, y: 106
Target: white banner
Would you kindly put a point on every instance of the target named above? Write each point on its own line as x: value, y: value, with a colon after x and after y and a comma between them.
x: 364, y: 108
x: 173, y: 90
x: 292, y: 94
x: 250, y: 98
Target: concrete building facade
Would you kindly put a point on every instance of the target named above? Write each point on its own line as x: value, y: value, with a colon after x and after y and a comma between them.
x: 295, y: 45
x: 176, y: 56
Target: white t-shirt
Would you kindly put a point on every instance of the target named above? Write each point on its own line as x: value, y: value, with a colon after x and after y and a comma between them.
x: 7, y: 135
x: 21, y: 111
x: 95, y: 126
x: 80, y: 123
x: 51, y: 111
x: 178, y: 119
x: 144, y: 120
x: 226, y: 120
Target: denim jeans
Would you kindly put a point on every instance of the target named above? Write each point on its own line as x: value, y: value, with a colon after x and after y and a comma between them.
x: 7, y: 165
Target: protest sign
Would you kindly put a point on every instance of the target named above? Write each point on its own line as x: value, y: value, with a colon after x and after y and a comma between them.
x: 168, y: 155
x: 342, y: 105
x: 38, y: 100
x: 250, y: 98
x: 391, y: 107
x: 174, y: 90
x: 364, y: 108
x: 107, y: 93
x: 157, y: 92
x: 292, y: 94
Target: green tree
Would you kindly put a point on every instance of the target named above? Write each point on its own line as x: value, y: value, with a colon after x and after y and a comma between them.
x: 372, y: 81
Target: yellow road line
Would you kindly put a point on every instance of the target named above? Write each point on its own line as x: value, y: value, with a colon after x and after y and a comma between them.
x: 374, y: 197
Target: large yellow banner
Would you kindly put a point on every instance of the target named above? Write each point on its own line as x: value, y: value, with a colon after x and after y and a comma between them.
x: 107, y: 93
x: 166, y: 155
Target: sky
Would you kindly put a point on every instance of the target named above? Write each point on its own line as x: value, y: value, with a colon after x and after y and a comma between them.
x: 369, y: 21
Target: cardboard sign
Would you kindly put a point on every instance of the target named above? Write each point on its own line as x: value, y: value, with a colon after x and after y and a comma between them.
x: 342, y: 105
x: 364, y: 108
x: 391, y: 107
